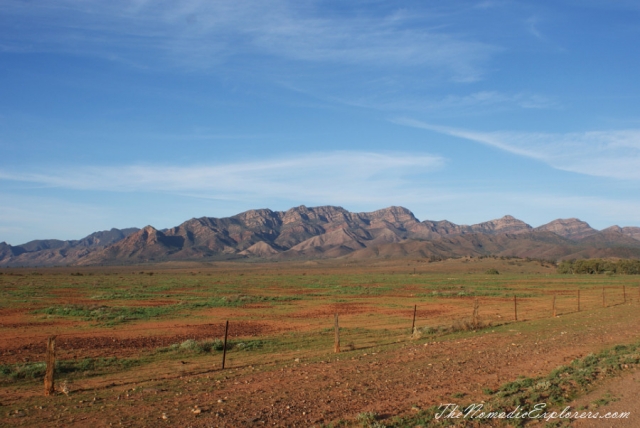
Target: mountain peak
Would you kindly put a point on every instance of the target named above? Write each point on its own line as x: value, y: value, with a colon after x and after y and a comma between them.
x: 506, y: 224
x: 571, y: 228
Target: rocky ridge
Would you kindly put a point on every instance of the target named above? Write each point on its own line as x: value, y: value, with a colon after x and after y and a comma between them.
x: 328, y: 232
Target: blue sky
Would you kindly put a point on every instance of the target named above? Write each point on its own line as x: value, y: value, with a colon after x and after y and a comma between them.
x: 128, y: 113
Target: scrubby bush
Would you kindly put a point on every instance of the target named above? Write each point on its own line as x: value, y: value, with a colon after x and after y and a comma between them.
x: 599, y: 266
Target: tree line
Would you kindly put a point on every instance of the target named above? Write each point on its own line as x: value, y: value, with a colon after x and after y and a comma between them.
x: 600, y: 266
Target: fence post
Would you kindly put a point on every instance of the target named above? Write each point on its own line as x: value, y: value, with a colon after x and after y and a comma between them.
x: 476, y: 307
x: 336, y: 339
x: 624, y: 293
x: 515, y: 307
x: 224, y: 345
x: 578, y: 300
x: 49, y: 387
x: 554, y: 305
x: 413, y: 324
x: 603, y: 301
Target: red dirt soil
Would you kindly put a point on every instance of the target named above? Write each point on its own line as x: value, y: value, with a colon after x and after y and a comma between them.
x: 123, y: 343
x: 388, y: 381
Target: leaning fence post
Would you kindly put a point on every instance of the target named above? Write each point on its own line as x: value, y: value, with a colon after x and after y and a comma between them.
x: 224, y: 345
x: 336, y: 343
x: 413, y: 324
x: 50, y: 360
x: 515, y: 307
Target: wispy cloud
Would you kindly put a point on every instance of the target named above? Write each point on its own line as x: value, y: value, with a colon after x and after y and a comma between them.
x: 532, y: 27
x: 335, y: 177
x: 484, y: 99
x: 473, y: 103
x: 614, y: 154
x: 203, y: 34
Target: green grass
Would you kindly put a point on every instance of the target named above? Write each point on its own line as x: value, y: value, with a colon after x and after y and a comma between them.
x: 107, y: 314
x: 557, y: 389
x: 11, y: 373
x: 111, y: 315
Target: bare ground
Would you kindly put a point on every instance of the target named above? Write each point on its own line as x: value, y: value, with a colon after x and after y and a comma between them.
x: 388, y: 380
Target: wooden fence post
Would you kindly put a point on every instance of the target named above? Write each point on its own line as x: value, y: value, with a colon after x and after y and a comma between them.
x: 603, y: 301
x: 476, y: 307
x: 624, y: 293
x: 413, y: 324
x: 515, y: 307
x: 224, y: 345
x: 50, y: 359
x: 578, y: 300
x: 554, y: 305
x: 336, y: 339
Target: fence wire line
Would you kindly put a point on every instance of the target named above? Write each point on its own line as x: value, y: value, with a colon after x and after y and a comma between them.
x: 503, y: 307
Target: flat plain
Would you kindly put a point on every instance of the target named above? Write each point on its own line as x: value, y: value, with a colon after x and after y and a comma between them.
x: 142, y: 345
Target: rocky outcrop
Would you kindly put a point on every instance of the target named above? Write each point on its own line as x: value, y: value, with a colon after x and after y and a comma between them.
x: 506, y: 224
x: 632, y: 232
x: 571, y: 228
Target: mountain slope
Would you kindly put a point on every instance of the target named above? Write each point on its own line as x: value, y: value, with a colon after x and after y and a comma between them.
x: 571, y: 228
x: 51, y: 252
x: 328, y: 231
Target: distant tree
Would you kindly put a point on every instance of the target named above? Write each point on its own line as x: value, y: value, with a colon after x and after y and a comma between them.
x: 599, y: 266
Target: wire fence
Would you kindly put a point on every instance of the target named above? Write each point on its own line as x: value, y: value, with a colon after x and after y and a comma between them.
x: 341, y: 327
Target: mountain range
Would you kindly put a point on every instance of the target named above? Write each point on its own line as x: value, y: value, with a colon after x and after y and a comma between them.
x: 328, y: 232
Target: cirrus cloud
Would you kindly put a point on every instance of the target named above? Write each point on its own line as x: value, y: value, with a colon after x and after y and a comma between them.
x: 330, y: 176
x: 613, y: 154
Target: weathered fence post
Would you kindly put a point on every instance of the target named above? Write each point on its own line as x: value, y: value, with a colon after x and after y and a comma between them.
x: 224, y: 345
x: 554, y: 305
x: 603, y: 301
x: 578, y: 300
x: 413, y: 324
x: 50, y: 359
x: 336, y: 339
x: 624, y: 293
x: 515, y: 307
x: 476, y: 307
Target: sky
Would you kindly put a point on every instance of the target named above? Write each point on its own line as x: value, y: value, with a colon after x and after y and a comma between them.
x: 129, y: 113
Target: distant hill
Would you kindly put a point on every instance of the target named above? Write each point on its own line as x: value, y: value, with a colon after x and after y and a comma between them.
x: 52, y: 252
x: 328, y: 232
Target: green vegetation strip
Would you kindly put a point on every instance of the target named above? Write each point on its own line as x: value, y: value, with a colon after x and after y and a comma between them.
x: 600, y: 266
x: 89, y: 367
x: 560, y: 387
x: 118, y: 314
x: 11, y: 373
